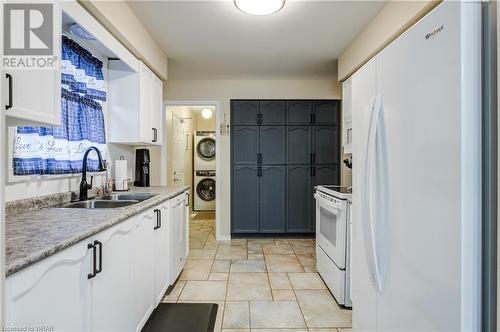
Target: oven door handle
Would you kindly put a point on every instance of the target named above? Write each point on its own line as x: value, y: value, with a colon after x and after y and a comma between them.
x: 327, y: 203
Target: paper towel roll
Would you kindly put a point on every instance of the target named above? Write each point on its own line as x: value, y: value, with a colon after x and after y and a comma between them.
x: 121, y: 177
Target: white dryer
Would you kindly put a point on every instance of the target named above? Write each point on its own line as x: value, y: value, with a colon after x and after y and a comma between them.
x: 204, y: 191
x: 204, y: 150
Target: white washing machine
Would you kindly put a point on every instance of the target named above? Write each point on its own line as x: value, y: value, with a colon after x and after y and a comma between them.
x: 204, y: 191
x: 204, y: 150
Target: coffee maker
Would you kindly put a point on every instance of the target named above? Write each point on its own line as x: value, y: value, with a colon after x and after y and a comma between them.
x: 142, y: 168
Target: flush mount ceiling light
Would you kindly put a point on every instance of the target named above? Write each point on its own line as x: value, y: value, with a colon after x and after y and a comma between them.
x: 206, y: 113
x: 259, y: 7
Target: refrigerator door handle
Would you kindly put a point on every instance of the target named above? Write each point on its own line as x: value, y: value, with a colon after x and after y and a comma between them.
x: 376, y: 139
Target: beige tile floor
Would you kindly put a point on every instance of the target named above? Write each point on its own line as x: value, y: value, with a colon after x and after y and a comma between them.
x: 260, y: 285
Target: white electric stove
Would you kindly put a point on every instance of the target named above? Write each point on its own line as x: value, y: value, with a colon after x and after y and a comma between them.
x: 333, y: 239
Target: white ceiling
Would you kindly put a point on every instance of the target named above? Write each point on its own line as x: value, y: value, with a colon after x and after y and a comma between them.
x: 212, y: 39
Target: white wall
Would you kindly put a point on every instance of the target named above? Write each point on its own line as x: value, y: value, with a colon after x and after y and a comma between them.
x: 225, y: 90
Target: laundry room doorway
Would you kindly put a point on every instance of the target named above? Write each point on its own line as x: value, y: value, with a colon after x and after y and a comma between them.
x: 190, y: 158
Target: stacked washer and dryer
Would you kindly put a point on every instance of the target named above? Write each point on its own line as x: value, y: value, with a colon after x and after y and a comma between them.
x: 204, y: 171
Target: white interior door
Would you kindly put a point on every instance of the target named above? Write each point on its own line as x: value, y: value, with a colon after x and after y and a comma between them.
x: 419, y: 81
x: 363, y: 292
x: 178, y: 150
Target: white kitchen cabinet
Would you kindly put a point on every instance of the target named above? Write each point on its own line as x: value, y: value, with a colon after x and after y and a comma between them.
x: 162, y: 251
x: 111, y: 296
x: 115, y: 289
x: 55, y: 291
x: 32, y: 96
x: 135, y: 99
x: 143, y: 268
x: 179, y: 235
x: 347, y: 115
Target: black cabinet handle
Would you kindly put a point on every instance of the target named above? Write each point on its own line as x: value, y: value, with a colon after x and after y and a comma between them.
x: 94, y: 258
x: 155, y: 135
x: 99, y: 243
x: 158, y: 219
x: 9, y: 105
x: 259, y: 171
x: 313, y: 171
x: 313, y: 118
x: 259, y: 158
x: 313, y: 158
x: 259, y: 118
x: 187, y: 201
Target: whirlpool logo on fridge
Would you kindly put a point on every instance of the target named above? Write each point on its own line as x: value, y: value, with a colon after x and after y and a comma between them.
x: 28, y: 38
x: 434, y: 33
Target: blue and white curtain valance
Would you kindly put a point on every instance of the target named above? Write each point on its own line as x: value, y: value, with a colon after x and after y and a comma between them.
x: 59, y: 150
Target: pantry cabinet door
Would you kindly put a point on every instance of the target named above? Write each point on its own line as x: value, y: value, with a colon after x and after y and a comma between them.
x: 33, y: 93
x: 54, y: 292
x: 245, y: 145
x: 272, y: 199
x: 245, y: 206
x: 244, y: 112
x: 111, y: 296
x: 273, y: 144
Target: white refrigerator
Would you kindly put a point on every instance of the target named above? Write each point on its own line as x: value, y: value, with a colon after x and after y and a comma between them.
x: 416, y: 177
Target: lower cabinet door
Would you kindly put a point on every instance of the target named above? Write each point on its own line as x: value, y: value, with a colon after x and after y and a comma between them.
x: 273, y: 199
x: 111, y: 296
x: 143, y: 268
x: 54, y: 292
x: 162, y: 252
x: 299, y: 198
x: 245, y: 199
x: 177, y: 214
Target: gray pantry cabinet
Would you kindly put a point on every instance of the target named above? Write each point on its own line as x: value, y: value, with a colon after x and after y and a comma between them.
x: 279, y: 151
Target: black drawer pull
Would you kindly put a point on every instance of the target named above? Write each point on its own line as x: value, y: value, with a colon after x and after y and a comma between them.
x: 158, y: 219
x: 187, y: 201
x: 259, y: 158
x: 155, y: 135
x: 94, y: 258
x: 9, y: 105
x: 99, y: 243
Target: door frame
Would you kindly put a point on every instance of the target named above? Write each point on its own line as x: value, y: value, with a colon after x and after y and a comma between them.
x: 164, y: 152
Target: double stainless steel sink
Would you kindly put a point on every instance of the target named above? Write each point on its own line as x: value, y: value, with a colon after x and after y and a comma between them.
x: 113, y: 201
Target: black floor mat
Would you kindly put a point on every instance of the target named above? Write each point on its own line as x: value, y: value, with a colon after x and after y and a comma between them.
x: 182, y: 317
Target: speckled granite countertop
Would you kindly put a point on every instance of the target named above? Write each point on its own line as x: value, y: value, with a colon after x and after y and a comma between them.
x: 38, y: 234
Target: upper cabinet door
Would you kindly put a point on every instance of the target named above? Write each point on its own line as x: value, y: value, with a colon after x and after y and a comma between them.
x: 146, y: 105
x: 299, y: 112
x: 327, y: 112
x: 32, y: 95
x: 157, y: 111
x: 272, y: 144
x: 326, y: 145
x: 245, y: 112
x: 272, y: 112
x: 245, y: 144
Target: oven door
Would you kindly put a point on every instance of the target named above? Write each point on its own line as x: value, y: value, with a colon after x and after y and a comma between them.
x: 331, y: 228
